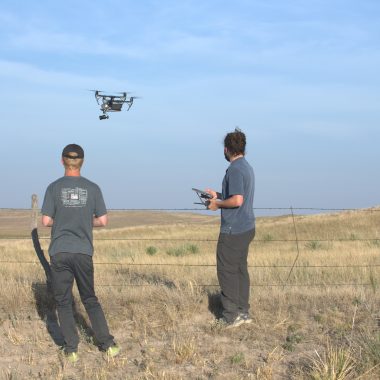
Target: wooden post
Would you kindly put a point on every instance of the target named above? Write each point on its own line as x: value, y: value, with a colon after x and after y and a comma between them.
x: 34, y: 211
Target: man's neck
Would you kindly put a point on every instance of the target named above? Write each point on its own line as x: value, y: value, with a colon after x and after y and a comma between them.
x: 72, y: 173
x: 236, y: 157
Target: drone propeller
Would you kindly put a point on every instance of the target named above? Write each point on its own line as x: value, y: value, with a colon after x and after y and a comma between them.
x: 94, y: 90
x: 104, y: 93
x: 117, y: 92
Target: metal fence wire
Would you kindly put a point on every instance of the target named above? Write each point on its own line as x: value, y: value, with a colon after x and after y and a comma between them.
x: 35, y: 212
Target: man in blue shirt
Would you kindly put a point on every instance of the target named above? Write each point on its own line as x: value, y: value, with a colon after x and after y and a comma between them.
x: 237, y: 230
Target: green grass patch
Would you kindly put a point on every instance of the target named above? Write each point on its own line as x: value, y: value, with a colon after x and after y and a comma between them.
x: 151, y: 251
x: 183, y: 250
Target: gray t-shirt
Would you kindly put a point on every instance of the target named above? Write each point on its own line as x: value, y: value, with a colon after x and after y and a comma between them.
x: 72, y: 202
x: 239, y: 180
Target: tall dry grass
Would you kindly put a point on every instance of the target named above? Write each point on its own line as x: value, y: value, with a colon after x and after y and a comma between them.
x: 157, y: 290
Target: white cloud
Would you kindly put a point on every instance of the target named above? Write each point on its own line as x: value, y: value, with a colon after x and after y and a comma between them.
x: 33, y: 75
x: 70, y: 43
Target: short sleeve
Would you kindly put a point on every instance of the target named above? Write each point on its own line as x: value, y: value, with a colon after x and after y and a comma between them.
x: 48, y: 206
x: 235, y: 182
x: 100, y: 206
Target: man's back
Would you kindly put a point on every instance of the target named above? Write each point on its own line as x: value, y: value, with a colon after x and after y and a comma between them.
x: 72, y: 201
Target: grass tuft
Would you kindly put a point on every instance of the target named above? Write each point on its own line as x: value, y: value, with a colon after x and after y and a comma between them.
x: 151, y: 251
x: 313, y: 245
x: 335, y: 363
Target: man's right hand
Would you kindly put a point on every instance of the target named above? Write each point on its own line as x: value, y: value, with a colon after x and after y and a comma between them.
x: 101, y: 221
x: 47, y: 221
x: 213, y: 193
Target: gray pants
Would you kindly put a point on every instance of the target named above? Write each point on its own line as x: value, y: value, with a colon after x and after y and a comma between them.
x: 232, y: 271
x: 64, y: 268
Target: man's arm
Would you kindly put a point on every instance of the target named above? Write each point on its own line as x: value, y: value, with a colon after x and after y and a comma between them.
x: 232, y: 202
x: 47, y: 221
x: 101, y: 221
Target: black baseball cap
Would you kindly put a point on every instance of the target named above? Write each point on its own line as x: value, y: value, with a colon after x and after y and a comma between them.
x: 73, y: 148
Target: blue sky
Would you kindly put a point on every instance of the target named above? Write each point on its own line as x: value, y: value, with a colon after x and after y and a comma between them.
x: 300, y: 78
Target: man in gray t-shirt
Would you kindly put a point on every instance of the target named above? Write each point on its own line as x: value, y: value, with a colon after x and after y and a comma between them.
x: 237, y: 230
x: 72, y: 206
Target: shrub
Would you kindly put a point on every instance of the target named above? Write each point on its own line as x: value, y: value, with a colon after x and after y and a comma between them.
x: 267, y: 237
x: 176, y: 251
x: 192, y: 248
x: 313, y: 245
x: 183, y: 250
x: 238, y: 358
x: 151, y: 250
x: 353, y: 237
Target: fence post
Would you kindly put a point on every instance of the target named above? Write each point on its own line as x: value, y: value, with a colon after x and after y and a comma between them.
x: 34, y: 211
x: 298, y: 249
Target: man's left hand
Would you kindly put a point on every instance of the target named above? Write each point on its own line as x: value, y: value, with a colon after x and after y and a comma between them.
x: 213, y: 204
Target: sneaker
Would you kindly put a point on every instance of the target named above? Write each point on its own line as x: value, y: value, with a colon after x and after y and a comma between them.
x: 113, y: 351
x: 229, y: 325
x: 245, y: 317
x: 72, y: 357
x: 238, y: 321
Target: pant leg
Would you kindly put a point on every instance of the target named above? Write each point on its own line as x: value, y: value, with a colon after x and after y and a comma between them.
x: 84, y: 276
x: 62, y: 281
x: 228, y: 276
x: 244, y: 281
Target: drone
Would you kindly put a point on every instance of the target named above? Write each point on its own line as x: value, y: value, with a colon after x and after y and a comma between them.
x: 112, y: 103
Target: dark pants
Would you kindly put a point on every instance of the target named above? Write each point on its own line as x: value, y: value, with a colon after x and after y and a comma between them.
x: 64, y: 268
x: 232, y: 270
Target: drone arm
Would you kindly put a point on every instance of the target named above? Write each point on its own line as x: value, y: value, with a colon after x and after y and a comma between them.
x: 130, y: 102
x: 97, y: 97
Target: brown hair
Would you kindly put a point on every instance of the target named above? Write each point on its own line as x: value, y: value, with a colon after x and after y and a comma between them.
x: 235, y: 142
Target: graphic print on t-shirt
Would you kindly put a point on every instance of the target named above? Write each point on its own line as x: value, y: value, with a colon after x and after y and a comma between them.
x: 76, y: 197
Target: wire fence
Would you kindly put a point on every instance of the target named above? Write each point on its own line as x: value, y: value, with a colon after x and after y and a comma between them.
x: 290, y: 208
x: 317, y: 285
x: 291, y: 240
x: 203, y: 265
x: 255, y: 241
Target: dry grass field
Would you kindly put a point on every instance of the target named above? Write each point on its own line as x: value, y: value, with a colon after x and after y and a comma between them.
x: 156, y: 280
